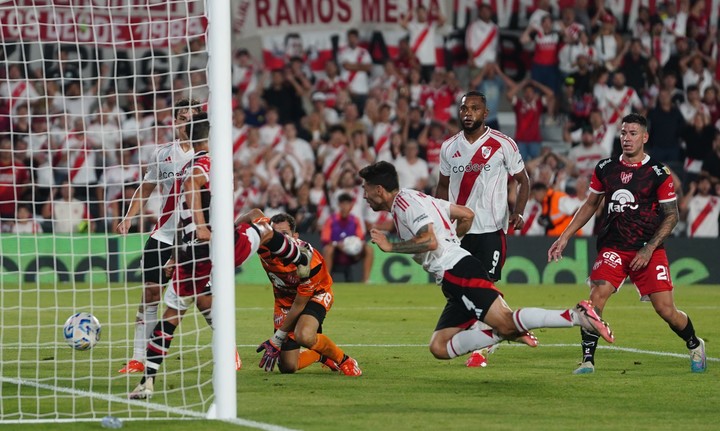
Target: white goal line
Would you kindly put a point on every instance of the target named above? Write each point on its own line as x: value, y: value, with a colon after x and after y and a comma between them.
x: 193, y: 415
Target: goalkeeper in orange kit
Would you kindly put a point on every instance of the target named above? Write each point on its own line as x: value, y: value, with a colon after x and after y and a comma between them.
x: 300, y: 308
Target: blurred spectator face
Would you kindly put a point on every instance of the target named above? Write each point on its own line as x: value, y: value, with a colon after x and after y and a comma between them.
x: 636, y: 47
x: 664, y: 98
x: 347, y: 179
x: 242, y: 58
x: 421, y: 13
x: 331, y: 69
x: 596, y: 119
x: 415, y: 76
x: 529, y: 92
x: 352, y: 39
x: 697, y: 64
x: 238, y: 117
x: 5, y: 153
x: 710, y: 96
x: 254, y: 101
x: 338, y: 138
x: 587, y: 138
x: 411, y: 150
x: 704, y: 186
x: 290, y: 131
x: 618, y: 80
x: 582, y: 62
x: 485, y: 12
x: 253, y: 137
x: 14, y: 72
x: 669, y: 81
x: 415, y: 114
x: 272, y: 116
x: 682, y: 44
x: 582, y: 185
x: 385, y: 113
x: 23, y: 213
x: 277, y: 77
x: 287, y: 174
x: 693, y: 94
x: 66, y: 191
x: 546, y: 24
x: 345, y: 208
x: 698, y: 121
x: 351, y: 112
x: 318, y: 181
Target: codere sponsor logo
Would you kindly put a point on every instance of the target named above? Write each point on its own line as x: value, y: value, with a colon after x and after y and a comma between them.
x: 471, y: 167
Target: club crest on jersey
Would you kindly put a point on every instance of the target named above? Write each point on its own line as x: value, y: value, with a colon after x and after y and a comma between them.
x: 625, y: 177
x: 485, y: 151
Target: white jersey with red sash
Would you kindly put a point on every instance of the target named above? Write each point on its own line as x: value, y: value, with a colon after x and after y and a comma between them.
x: 18, y: 92
x: 478, y: 173
x: 333, y: 158
x: 358, y: 80
x: 81, y: 160
x: 381, y: 136
x: 482, y: 41
x: 239, y: 137
x: 330, y: 87
x: 703, y: 216
x: 422, y: 42
x: 618, y: 103
x: 411, y: 210
x: 167, y: 164
x: 271, y: 135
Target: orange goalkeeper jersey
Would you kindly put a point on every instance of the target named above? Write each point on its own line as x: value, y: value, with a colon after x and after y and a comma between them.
x: 286, y: 283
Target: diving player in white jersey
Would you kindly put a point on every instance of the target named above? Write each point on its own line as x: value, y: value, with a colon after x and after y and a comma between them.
x: 474, y: 169
x: 425, y: 227
x: 167, y: 162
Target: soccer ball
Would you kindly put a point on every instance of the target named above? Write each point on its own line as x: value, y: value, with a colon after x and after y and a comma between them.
x: 82, y: 331
x: 352, y: 245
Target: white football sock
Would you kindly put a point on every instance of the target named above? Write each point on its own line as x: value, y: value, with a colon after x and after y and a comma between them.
x: 530, y: 318
x: 139, y: 342
x: 151, y: 320
x: 469, y: 340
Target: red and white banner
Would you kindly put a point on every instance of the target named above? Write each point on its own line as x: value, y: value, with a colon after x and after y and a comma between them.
x: 118, y: 23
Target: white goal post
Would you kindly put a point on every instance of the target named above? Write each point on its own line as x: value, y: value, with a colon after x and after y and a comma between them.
x: 87, y: 92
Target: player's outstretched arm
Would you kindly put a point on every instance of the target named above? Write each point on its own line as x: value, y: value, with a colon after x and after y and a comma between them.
x: 249, y: 216
x: 142, y: 193
x: 424, y: 240
x: 464, y: 217
x: 581, y: 217
x: 192, y: 187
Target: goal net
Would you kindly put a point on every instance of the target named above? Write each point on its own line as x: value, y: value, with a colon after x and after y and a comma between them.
x: 87, y: 90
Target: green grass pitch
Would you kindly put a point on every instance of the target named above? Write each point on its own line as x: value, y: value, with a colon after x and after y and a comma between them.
x: 642, y: 382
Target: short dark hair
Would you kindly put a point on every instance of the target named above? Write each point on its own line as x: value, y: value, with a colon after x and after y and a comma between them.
x: 336, y: 128
x: 635, y: 118
x: 345, y: 197
x: 353, y: 32
x: 192, y: 104
x: 381, y: 174
x: 474, y: 93
x: 198, y: 129
x: 536, y: 187
x: 284, y: 217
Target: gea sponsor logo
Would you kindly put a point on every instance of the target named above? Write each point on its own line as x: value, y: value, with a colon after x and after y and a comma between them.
x: 471, y: 167
x: 612, y: 258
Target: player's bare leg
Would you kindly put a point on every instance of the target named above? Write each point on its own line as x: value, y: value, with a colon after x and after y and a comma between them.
x: 681, y: 324
x: 600, y: 292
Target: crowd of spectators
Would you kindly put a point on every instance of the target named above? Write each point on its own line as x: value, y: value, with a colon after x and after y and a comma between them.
x: 73, y: 150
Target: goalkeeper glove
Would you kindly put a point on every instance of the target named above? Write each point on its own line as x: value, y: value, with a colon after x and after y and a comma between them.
x: 272, y: 350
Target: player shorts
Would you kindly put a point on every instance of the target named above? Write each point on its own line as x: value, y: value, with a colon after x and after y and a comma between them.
x: 614, y: 265
x: 490, y: 249
x: 469, y: 295
x: 193, y: 269
x: 183, y: 303
x: 155, y: 254
x: 312, y: 308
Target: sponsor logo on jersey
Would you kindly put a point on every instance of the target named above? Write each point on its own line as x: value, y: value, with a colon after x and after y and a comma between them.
x: 169, y: 174
x: 471, y: 167
x: 658, y: 171
x: 622, y: 200
x: 420, y: 217
x: 625, y: 177
x: 456, y: 155
x: 611, y: 258
x: 604, y: 163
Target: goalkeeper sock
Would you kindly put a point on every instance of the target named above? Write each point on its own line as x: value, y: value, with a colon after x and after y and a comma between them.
x: 530, y: 318
x: 140, y: 340
x: 688, y: 334
x: 327, y: 347
x: 466, y: 341
x: 158, y: 348
x: 280, y: 246
x: 589, y: 344
x: 307, y: 358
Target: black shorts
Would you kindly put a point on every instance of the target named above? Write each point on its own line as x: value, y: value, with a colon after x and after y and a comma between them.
x: 155, y: 254
x: 312, y: 309
x: 490, y: 249
x: 469, y: 295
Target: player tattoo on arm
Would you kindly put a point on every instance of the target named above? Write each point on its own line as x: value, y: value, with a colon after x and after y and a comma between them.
x: 423, y: 241
x: 670, y: 219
